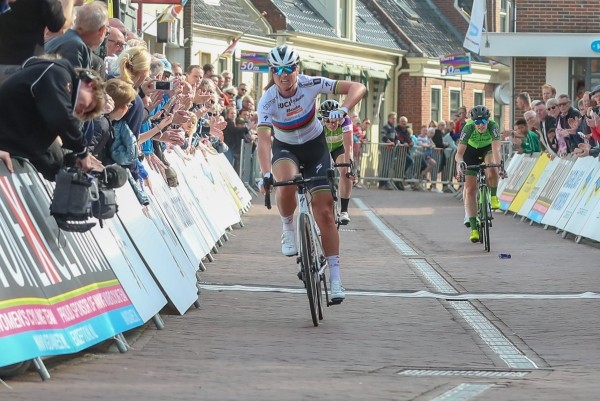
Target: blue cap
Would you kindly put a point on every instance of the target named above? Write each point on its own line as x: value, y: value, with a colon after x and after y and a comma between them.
x: 167, y: 65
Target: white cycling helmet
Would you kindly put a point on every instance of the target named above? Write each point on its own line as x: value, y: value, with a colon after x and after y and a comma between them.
x: 283, y: 56
x: 328, y: 106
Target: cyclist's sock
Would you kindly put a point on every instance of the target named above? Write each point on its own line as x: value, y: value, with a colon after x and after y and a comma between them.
x: 493, y: 191
x: 344, y: 204
x: 288, y: 223
x: 334, y: 267
x: 473, y: 221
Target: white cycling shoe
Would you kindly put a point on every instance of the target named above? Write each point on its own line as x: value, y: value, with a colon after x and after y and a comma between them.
x: 337, y: 294
x: 288, y: 243
x: 344, y: 218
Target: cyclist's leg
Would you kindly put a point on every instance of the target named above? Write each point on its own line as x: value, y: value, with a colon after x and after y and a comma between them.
x: 471, y: 157
x: 345, y: 184
x: 492, y: 177
x: 317, y: 161
x: 284, y: 167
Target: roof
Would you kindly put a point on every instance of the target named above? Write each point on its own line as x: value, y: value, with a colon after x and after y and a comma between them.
x: 423, y: 25
x: 302, y: 18
x: 228, y: 15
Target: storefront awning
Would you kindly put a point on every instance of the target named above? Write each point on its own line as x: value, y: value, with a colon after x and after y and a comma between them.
x: 374, y: 74
x: 335, y: 69
x: 354, y: 71
x: 310, y: 65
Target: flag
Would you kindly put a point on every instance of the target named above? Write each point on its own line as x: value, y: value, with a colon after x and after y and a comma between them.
x: 170, y: 13
x: 184, y: 2
x: 473, y: 38
x: 231, y: 48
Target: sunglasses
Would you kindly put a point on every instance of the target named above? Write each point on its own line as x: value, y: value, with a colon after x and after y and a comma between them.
x: 329, y: 120
x: 563, y: 104
x: 551, y: 108
x: 118, y: 44
x: 288, y: 69
x: 482, y: 121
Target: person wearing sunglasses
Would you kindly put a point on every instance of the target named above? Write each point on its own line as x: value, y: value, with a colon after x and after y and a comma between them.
x: 287, y: 111
x: 339, y: 136
x: 479, y: 143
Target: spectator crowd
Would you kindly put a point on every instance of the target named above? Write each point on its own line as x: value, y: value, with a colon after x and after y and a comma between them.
x: 78, y: 88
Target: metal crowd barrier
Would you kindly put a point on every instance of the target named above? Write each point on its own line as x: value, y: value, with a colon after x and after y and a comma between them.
x: 385, y: 164
x: 395, y: 165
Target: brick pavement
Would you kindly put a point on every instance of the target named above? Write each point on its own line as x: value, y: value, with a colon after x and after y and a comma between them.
x: 262, y: 346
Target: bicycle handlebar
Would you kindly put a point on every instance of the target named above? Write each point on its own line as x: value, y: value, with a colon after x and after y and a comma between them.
x: 483, y: 166
x: 300, y: 180
x: 349, y: 174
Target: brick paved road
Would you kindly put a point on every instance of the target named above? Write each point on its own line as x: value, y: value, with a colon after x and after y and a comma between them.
x: 243, y: 345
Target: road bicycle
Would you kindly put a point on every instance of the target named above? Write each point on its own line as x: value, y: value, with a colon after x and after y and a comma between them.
x: 311, y: 257
x: 484, y: 208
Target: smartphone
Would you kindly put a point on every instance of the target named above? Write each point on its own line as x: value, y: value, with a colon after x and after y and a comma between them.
x: 163, y: 85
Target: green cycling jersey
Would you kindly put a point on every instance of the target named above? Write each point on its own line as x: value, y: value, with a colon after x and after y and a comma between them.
x: 335, y: 138
x: 470, y: 136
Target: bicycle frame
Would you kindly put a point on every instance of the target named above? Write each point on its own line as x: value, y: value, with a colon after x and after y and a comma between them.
x: 484, y: 209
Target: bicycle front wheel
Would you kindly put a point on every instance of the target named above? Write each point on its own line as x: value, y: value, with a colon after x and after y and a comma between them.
x: 310, y: 269
x: 485, y: 217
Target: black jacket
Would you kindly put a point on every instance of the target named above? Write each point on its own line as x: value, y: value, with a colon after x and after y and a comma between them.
x: 70, y: 46
x: 22, y: 28
x: 37, y: 105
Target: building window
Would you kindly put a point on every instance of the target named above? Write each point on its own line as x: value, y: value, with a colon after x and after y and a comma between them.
x: 478, y: 98
x: 505, y: 13
x: 498, y: 114
x: 436, y: 104
x: 455, y: 101
x: 584, y: 73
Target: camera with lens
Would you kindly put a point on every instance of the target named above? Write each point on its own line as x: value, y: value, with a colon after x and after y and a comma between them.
x: 78, y: 196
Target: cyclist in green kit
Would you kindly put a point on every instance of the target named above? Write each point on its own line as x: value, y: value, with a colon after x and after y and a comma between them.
x: 338, y: 133
x: 479, y: 143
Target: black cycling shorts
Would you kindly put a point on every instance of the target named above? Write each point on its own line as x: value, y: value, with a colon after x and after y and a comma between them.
x: 313, y: 155
x: 474, y: 156
x: 335, y: 153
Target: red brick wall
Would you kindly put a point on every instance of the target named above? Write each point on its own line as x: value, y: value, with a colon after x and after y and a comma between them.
x: 414, y: 98
x: 557, y: 16
x: 530, y: 75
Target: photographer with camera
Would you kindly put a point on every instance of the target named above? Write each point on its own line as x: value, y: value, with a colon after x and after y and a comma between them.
x: 45, y: 99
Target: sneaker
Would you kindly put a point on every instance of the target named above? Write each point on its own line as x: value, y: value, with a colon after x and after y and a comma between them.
x: 288, y: 243
x: 437, y: 191
x: 466, y: 221
x: 474, y: 237
x: 337, y: 291
x: 344, y: 218
x: 494, y: 202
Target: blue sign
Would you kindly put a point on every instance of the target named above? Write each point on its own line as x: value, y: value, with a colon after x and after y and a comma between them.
x: 596, y: 46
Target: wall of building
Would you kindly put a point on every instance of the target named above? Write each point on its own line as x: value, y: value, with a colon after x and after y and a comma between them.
x: 414, y: 95
x: 530, y: 75
x: 556, y: 16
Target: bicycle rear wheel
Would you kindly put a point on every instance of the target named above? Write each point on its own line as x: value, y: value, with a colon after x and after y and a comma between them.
x: 310, y: 267
x: 485, y: 217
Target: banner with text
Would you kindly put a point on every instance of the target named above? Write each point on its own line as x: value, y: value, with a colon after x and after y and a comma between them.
x: 253, y: 62
x: 59, y: 293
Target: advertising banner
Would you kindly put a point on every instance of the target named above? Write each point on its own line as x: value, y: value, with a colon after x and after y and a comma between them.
x: 59, y: 293
x: 510, y: 167
x: 547, y: 195
x: 581, y: 188
x: 535, y: 173
x: 587, y: 200
x: 129, y: 268
x: 254, y: 62
x: 540, y: 184
x: 575, y: 180
x: 515, y: 181
x: 146, y: 230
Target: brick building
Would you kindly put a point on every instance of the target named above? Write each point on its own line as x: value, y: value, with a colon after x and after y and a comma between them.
x: 544, y: 41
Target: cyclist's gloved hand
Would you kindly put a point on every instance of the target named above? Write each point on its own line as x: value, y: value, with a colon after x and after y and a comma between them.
x: 338, y: 113
x: 460, y: 168
x: 266, y: 183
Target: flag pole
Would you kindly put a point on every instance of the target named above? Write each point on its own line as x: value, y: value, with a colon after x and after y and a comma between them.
x: 238, y: 37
